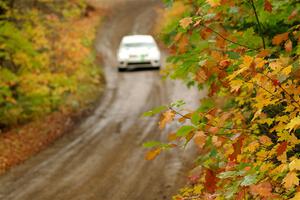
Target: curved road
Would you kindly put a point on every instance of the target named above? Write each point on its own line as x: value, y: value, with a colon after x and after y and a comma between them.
x: 102, y: 159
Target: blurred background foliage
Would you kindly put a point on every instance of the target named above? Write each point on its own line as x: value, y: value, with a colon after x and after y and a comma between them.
x: 46, y: 59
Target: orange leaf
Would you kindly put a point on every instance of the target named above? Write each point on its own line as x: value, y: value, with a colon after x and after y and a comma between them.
x: 182, y: 44
x: 288, y: 46
x: 290, y: 180
x: 201, y: 76
x: 237, y: 147
x: 210, y: 181
x: 293, y: 14
x: 268, y: 6
x: 200, y: 139
x: 281, y: 148
x: 278, y: 39
x: 185, y: 22
x: 167, y: 117
x: 262, y: 189
x: 264, y: 53
x: 151, y: 155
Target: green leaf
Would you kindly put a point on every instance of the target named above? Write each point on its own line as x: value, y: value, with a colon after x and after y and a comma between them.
x: 184, y: 131
x: 249, y: 180
x: 227, y: 174
x: 151, y: 144
x: 155, y: 111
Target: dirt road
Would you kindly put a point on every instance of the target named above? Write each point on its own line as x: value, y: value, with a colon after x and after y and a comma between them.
x: 102, y: 158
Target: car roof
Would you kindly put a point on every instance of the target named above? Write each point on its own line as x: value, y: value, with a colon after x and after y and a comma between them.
x: 138, y: 39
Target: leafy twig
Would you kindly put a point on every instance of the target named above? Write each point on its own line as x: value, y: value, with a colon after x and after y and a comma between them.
x: 228, y: 40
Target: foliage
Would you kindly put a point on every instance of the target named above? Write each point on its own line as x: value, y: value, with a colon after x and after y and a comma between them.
x: 46, y: 61
x: 246, y: 53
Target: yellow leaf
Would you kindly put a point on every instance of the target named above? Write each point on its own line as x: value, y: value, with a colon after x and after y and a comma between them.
x: 286, y: 71
x: 294, y: 123
x: 295, y: 165
x: 214, y: 3
x: 290, y: 180
x: 296, y: 197
x: 236, y: 85
x: 151, y: 155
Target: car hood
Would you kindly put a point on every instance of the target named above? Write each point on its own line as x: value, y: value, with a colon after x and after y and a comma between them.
x: 138, y: 51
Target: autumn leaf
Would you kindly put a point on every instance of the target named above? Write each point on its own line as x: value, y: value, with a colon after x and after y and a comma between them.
x: 287, y: 70
x: 268, y: 6
x: 281, y: 148
x: 294, y: 165
x: 262, y: 189
x: 201, y: 76
x: 200, y: 139
x: 278, y: 39
x: 293, y: 124
x: 236, y: 85
x: 151, y: 155
x: 288, y: 46
x: 293, y: 15
x: 290, y: 180
x: 185, y: 22
x: 214, y: 3
x: 167, y: 117
x: 296, y: 197
x: 210, y: 181
x: 237, y: 146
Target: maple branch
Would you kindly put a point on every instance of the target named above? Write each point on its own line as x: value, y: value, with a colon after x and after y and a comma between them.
x: 284, y: 90
x: 228, y: 40
x: 258, y: 23
x: 208, y: 124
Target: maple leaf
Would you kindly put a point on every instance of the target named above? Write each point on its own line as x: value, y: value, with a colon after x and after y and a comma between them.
x: 201, y: 76
x: 237, y: 147
x: 185, y: 22
x: 278, y: 39
x: 268, y: 6
x: 287, y: 70
x: 294, y: 165
x: 167, y: 117
x: 210, y: 181
x: 293, y: 124
x: 262, y: 189
x: 281, y: 148
x: 236, y: 85
x: 290, y: 180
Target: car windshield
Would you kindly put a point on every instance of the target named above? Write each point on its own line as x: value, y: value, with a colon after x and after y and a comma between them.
x: 137, y: 45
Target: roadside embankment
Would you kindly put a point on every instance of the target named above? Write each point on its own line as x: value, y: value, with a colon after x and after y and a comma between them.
x: 49, y: 77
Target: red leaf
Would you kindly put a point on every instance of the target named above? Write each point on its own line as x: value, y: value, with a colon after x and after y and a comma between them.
x: 210, y: 181
x: 275, y: 82
x: 213, y: 89
x: 281, y: 148
x: 268, y: 6
x: 237, y: 146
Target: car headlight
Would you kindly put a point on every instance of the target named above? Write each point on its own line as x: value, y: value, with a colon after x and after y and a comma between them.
x: 123, y: 56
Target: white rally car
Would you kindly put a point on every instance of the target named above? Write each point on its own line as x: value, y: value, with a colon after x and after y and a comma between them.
x: 138, y: 51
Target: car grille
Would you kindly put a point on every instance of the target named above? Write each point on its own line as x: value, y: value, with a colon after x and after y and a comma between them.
x: 139, y: 63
